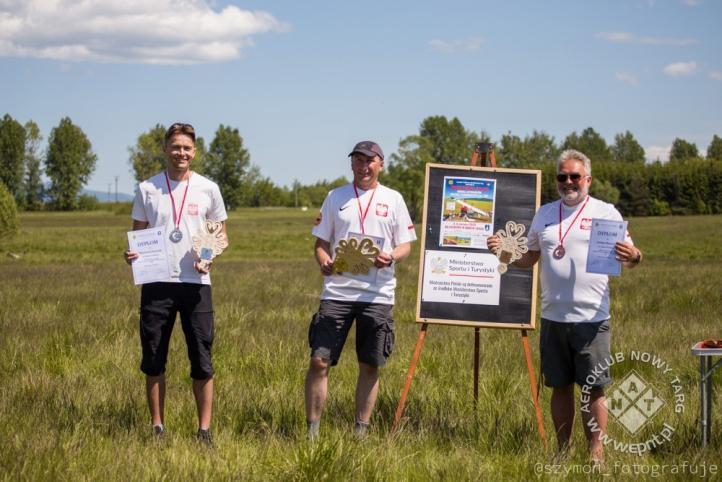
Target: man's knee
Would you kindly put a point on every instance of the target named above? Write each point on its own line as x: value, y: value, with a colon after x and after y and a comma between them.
x: 319, y: 366
x: 368, y: 370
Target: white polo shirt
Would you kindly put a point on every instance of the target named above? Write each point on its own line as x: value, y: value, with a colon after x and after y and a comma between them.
x: 387, y: 217
x: 569, y: 293
x: 152, y: 204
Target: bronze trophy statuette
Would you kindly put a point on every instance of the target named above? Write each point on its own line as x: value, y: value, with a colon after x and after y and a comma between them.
x: 355, y: 256
x: 513, y: 245
x: 209, y: 242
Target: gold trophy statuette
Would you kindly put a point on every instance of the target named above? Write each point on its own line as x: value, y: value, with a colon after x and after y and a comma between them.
x: 513, y: 245
x: 354, y: 256
x: 209, y: 242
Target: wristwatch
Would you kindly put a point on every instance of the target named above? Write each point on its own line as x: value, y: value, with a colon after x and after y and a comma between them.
x: 393, y: 260
x: 637, y: 258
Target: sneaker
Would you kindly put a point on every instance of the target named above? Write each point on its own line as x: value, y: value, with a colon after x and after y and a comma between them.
x: 159, y: 431
x: 360, y: 430
x: 312, y: 430
x: 205, y: 437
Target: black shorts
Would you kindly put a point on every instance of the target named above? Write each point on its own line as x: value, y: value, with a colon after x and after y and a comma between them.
x: 159, y: 304
x: 374, y: 331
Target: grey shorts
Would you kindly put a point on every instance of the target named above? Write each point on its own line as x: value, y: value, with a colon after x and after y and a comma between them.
x: 374, y: 331
x: 571, y: 351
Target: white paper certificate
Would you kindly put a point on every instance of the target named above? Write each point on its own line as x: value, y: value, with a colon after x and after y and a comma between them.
x: 152, y: 262
x: 601, y: 257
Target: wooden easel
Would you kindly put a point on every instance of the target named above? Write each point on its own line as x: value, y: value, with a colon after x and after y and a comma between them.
x: 483, y: 153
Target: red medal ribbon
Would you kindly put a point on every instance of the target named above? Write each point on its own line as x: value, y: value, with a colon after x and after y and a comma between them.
x: 561, y: 238
x: 361, y: 213
x: 176, y: 220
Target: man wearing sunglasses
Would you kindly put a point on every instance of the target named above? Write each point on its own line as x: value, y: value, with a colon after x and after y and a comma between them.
x: 575, y: 332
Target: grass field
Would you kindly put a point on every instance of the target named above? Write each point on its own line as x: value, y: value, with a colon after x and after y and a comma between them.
x: 72, y: 399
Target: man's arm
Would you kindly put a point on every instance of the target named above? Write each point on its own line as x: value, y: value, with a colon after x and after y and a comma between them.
x: 527, y: 259
x: 129, y: 255
x: 400, y: 252
x: 322, y: 250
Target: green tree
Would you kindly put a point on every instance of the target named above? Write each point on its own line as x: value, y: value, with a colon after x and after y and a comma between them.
x: 12, y: 156
x: 682, y: 150
x: 226, y: 163
x: 714, y: 151
x: 406, y: 171
x: 590, y: 143
x: 533, y: 150
x: 449, y: 142
x: 627, y: 149
x: 147, y: 157
x: 8, y: 213
x: 69, y: 163
x: 33, y: 183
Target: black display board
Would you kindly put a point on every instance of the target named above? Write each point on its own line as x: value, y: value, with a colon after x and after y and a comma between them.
x: 516, y: 199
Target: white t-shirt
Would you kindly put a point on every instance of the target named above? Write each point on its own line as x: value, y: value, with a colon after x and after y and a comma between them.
x: 152, y: 203
x: 569, y: 293
x: 387, y: 217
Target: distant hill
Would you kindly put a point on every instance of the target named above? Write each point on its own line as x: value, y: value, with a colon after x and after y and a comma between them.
x: 103, y: 196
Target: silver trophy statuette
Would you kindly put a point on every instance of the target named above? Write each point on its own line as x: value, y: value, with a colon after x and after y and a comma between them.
x: 209, y: 242
x: 513, y: 245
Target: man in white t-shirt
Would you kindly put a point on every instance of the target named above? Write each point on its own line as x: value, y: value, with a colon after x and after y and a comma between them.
x: 365, y: 216
x: 575, y: 336
x: 179, y: 201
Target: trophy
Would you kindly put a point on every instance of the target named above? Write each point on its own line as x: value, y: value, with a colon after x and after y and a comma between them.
x: 513, y: 245
x: 355, y: 256
x: 209, y: 242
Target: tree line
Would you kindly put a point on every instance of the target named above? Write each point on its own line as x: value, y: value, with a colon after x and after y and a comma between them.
x: 687, y: 184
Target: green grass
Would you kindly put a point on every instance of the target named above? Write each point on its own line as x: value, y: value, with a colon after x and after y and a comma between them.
x: 72, y: 397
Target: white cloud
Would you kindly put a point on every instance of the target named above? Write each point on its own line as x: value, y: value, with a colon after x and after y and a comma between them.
x: 680, y: 69
x: 630, y: 38
x: 133, y: 31
x: 716, y: 75
x: 453, y: 46
x: 691, y: 3
x: 657, y: 153
x: 627, y: 78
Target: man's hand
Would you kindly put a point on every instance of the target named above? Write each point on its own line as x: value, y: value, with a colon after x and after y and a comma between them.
x: 130, y: 256
x: 627, y: 254
x: 384, y: 260
x: 327, y: 267
x: 203, y: 267
x: 493, y: 242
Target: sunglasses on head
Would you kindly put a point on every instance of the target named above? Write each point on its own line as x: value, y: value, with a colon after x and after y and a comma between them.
x: 575, y: 176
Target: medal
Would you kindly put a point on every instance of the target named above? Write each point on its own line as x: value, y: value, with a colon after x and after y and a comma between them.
x: 176, y: 235
x: 559, y: 251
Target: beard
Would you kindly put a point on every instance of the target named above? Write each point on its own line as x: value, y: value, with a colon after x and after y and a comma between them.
x: 573, y: 196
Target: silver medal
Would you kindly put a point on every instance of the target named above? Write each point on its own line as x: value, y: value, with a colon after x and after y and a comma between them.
x: 176, y: 235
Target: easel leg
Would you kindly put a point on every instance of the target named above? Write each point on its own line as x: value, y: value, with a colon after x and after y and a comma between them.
x: 532, y: 383
x: 409, y: 377
x: 476, y: 366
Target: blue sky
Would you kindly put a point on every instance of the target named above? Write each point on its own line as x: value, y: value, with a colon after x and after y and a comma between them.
x: 303, y: 81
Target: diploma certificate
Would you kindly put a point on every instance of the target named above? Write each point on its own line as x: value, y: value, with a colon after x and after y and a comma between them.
x: 601, y: 257
x: 152, y: 262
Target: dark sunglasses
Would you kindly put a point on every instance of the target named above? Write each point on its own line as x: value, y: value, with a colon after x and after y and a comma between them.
x: 575, y: 176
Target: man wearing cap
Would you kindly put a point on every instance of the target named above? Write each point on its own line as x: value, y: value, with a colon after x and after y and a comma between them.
x: 370, y: 221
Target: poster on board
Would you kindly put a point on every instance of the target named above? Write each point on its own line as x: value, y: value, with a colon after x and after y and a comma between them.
x: 453, y: 277
x: 467, y: 214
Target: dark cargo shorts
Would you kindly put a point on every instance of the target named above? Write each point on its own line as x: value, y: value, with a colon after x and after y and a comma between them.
x: 570, y: 352
x: 159, y: 304
x: 374, y: 331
